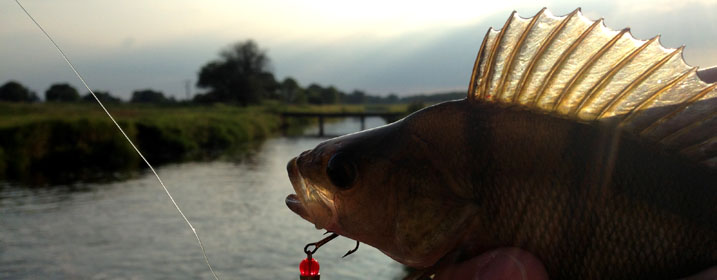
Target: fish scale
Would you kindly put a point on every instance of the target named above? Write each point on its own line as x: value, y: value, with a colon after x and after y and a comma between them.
x: 605, y: 232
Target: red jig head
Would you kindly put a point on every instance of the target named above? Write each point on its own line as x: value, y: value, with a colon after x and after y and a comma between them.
x: 309, y: 269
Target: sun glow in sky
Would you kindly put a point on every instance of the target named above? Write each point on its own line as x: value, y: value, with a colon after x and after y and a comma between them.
x: 405, y: 47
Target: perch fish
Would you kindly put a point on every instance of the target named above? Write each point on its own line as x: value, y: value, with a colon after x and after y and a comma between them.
x: 593, y: 150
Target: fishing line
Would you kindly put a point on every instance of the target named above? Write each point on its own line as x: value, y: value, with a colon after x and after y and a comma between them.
x: 199, y: 241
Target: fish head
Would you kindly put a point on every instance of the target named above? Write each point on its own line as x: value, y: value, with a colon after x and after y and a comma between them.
x: 391, y: 187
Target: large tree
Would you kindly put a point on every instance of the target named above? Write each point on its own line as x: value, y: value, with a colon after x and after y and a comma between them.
x: 241, y: 75
x: 61, y: 93
x: 15, y: 92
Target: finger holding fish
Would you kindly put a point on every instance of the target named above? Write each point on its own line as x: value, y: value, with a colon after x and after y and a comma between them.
x: 503, y: 263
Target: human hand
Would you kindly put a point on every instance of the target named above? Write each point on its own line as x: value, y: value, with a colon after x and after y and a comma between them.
x: 502, y: 263
x: 513, y: 264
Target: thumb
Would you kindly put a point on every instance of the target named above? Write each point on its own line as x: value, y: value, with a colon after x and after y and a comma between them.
x: 503, y: 263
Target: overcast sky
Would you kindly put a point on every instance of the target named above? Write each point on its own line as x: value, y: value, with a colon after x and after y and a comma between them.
x: 380, y: 46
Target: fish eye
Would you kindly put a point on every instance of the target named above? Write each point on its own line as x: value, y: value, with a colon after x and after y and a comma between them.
x: 341, y: 170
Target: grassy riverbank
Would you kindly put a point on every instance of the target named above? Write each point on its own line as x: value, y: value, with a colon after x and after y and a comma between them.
x: 58, y: 143
x: 69, y: 142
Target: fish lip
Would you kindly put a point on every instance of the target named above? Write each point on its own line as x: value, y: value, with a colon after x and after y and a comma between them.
x: 297, y: 181
x: 292, y: 200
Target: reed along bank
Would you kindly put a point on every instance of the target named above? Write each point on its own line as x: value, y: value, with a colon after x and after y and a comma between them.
x: 61, y: 142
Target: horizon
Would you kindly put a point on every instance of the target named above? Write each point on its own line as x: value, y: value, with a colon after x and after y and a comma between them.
x: 376, y: 47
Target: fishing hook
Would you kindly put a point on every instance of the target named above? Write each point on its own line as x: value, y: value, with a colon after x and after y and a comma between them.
x: 324, y: 241
x: 319, y: 244
x: 352, y: 250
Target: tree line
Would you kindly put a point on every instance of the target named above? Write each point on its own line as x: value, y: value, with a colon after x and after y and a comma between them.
x: 13, y: 91
x: 241, y: 75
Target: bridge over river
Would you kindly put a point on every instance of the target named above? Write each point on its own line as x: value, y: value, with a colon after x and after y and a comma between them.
x: 388, y: 116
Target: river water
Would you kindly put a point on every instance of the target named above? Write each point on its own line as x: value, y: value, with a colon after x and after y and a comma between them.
x: 130, y: 230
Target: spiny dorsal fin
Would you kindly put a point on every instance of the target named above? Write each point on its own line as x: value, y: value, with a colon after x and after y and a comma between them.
x: 577, y: 68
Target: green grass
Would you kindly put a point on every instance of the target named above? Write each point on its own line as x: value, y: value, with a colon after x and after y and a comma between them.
x: 70, y: 142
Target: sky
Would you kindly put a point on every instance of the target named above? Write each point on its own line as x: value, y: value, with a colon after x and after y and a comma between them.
x: 379, y: 46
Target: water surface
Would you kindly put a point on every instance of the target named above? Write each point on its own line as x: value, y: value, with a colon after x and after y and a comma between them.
x: 130, y: 230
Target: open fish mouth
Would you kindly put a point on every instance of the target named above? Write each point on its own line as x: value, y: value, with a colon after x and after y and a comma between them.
x: 292, y: 200
x: 311, y: 202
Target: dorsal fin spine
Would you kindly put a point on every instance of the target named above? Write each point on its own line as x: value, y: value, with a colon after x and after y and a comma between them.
x: 586, y: 66
x: 651, y: 99
x: 539, y: 54
x: 476, y: 66
x: 681, y: 108
x: 693, y: 148
x: 510, y: 62
x: 671, y: 137
x: 489, y: 65
x: 644, y: 75
x: 607, y: 77
x: 559, y: 64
